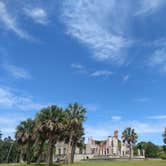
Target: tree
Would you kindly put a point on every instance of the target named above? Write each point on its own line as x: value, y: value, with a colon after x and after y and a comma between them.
x: 77, y: 141
x: 130, y: 137
x: 39, y: 146
x: 25, y: 137
x: 50, y: 123
x: 75, y: 116
x: 0, y: 135
x: 151, y: 150
x: 1, y: 150
x: 164, y: 136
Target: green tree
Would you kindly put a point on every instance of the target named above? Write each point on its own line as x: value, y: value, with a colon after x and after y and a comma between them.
x: 164, y: 136
x: 151, y: 150
x: 1, y: 151
x: 39, y: 146
x: 25, y: 137
x: 10, y: 150
x: 50, y: 124
x: 130, y: 137
x: 75, y: 116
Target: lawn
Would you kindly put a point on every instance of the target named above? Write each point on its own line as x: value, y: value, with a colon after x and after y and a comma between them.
x: 114, y: 163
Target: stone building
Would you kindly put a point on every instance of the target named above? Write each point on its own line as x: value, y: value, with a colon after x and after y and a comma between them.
x: 112, y: 147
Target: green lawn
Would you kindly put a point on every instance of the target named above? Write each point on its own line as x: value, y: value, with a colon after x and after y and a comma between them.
x: 114, y: 163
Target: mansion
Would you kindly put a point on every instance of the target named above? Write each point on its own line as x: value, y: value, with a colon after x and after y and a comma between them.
x: 112, y: 147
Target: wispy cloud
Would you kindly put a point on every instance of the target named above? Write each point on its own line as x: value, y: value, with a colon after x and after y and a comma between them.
x: 8, y: 123
x: 125, y: 78
x: 17, y: 72
x: 39, y: 15
x: 143, y: 99
x: 101, y: 73
x: 11, y: 99
x: 117, y: 118
x: 98, y: 73
x: 159, y: 117
x: 77, y: 66
x: 158, y: 59
x: 10, y: 23
x: 149, y: 6
x: 102, y: 131
x: 92, y: 107
x: 104, y: 34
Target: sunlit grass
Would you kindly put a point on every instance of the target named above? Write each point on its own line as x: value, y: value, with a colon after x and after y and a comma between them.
x: 106, y: 163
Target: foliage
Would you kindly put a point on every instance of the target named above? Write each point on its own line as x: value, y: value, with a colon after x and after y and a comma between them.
x: 130, y: 137
x: 164, y: 136
x: 151, y: 150
x: 8, y: 150
x: 74, y: 131
x: 25, y: 137
x: 49, y: 123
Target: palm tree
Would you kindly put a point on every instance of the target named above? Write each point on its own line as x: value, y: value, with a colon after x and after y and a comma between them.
x: 77, y: 141
x: 39, y: 146
x: 164, y: 136
x: 130, y: 137
x: 50, y: 123
x: 75, y: 116
x: 25, y: 137
x: 0, y: 135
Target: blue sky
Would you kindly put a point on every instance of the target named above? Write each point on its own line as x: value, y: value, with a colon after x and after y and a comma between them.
x: 107, y: 55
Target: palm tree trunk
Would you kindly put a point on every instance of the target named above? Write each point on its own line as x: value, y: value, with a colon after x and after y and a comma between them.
x: 28, y: 153
x: 130, y: 151
x: 73, y: 148
x: 21, y: 156
x: 50, y: 153
x: 68, y: 151
x: 40, y: 152
x: 10, y: 149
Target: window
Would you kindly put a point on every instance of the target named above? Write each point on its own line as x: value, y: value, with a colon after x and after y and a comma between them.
x: 80, y: 151
x: 59, y: 151
x: 64, y: 151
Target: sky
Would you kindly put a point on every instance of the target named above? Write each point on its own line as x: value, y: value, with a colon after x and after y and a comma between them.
x: 109, y: 56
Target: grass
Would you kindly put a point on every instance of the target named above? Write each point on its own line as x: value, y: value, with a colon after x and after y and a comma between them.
x: 107, y: 163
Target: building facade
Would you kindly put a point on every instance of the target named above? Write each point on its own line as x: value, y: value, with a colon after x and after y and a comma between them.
x: 112, y: 147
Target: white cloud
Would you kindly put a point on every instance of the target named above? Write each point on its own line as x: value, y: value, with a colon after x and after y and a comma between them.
x: 92, y: 107
x: 158, y: 117
x: 149, y: 6
x: 99, y: 73
x: 10, y: 99
x: 143, y: 99
x: 38, y: 15
x: 9, y: 121
x: 116, y: 118
x: 103, y: 34
x: 10, y: 22
x: 17, y: 72
x: 158, y: 59
x: 77, y: 66
x: 125, y: 78
x: 102, y: 131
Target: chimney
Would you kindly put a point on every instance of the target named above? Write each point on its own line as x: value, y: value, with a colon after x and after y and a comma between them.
x: 116, y: 133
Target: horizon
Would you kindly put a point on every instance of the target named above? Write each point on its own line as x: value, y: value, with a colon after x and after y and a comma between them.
x: 109, y: 56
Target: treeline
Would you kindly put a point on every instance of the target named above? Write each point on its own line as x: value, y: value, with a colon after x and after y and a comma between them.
x: 38, y: 136
x: 152, y: 150
x: 35, y: 139
x: 9, y: 150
